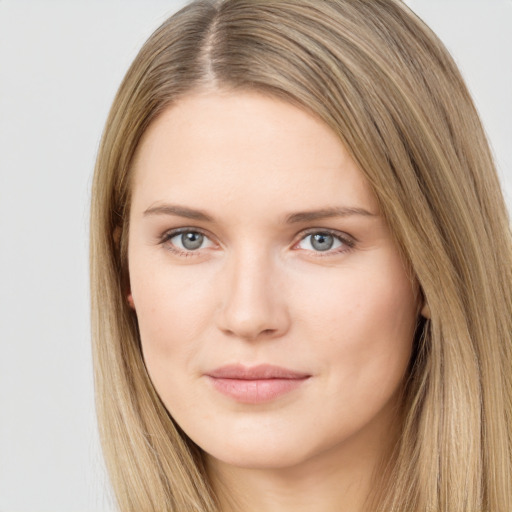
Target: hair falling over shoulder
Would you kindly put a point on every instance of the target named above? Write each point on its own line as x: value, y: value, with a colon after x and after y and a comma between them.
x: 385, y: 84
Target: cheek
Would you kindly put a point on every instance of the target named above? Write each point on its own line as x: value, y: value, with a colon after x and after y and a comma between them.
x: 363, y: 324
x: 173, y: 308
x: 355, y: 301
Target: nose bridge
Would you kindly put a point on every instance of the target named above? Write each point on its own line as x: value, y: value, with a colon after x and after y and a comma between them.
x: 253, y: 303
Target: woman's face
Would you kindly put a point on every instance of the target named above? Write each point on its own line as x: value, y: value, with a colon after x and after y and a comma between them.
x: 276, y: 315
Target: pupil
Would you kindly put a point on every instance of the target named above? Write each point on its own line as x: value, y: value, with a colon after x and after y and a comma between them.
x: 322, y: 241
x: 192, y: 240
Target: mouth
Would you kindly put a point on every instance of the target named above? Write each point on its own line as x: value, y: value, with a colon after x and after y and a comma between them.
x: 256, y: 384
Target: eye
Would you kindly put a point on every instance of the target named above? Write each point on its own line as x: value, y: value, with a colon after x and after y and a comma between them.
x: 185, y: 241
x: 326, y: 242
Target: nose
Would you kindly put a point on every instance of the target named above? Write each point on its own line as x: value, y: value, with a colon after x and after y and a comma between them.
x: 252, y: 305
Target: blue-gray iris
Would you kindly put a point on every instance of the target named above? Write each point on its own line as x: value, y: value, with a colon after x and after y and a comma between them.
x: 192, y: 240
x: 322, y: 241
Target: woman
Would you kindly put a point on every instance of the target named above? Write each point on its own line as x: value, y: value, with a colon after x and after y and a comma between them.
x: 301, y: 269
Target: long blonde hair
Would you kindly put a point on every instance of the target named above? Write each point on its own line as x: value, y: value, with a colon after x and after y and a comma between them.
x: 384, y: 83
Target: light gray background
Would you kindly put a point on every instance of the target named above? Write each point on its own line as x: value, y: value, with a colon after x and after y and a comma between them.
x: 60, y: 65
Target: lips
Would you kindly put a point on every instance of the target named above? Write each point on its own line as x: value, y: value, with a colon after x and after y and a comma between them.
x: 256, y: 384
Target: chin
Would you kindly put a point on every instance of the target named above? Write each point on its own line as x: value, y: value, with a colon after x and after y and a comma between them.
x: 259, y: 458
x: 262, y: 452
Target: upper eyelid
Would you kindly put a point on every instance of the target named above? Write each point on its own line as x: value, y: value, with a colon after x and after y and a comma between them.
x: 344, y: 237
x: 334, y: 232
x: 171, y: 233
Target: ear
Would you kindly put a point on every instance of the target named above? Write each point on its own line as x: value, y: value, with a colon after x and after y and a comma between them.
x: 116, y: 235
x: 423, y: 304
x: 129, y: 299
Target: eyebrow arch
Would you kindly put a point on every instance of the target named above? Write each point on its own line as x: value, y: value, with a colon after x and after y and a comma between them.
x: 180, y: 211
x: 326, y: 213
x: 293, y: 218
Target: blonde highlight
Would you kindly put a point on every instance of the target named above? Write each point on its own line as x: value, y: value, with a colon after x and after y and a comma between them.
x: 385, y: 84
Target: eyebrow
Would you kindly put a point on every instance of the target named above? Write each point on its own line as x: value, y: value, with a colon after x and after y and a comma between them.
x: 293, y: 218
x: 326, y: 213
x: 179, y: 211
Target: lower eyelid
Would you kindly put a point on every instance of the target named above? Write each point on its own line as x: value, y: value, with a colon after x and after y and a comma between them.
x: 345, y: 240
x: 165, y: 240
x: 347, y: 243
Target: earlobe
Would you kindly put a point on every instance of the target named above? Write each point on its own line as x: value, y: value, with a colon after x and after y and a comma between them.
x: 116, y: 235
x: 425, y: 311
x: 129, y: 299
x: 423, y: 306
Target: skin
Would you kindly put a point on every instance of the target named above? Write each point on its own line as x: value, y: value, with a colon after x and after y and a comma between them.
x: 257, y: 291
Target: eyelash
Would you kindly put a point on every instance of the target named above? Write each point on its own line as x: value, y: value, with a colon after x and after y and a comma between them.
x: 347, y: 241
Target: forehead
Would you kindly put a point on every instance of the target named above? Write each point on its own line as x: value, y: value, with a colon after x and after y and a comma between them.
x: 218, y: 148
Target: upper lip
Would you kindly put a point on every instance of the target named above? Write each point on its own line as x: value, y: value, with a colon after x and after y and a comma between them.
x: 261, y: 371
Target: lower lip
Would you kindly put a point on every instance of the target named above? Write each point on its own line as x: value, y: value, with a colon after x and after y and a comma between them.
x: 255, y: 391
